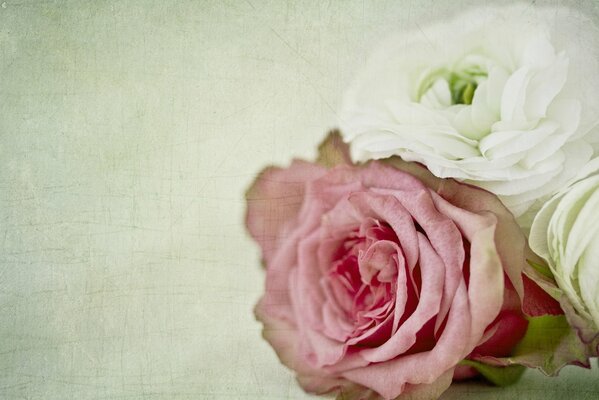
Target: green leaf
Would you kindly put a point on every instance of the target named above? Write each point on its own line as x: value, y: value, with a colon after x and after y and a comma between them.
x: 541, y: 269
x: 550, y: 343
x: 333, y: 151
x: 499, y: 376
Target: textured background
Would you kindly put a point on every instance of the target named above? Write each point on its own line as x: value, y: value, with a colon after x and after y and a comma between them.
x: 128, y: 133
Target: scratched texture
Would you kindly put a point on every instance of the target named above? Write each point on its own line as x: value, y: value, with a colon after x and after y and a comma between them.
x: 128, y: 133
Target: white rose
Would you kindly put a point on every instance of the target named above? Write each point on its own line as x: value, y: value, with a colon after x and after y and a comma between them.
x: 502, y: 98
x: 566, y: 234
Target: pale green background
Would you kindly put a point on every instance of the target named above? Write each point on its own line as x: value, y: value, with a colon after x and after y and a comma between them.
x: 128, y: 133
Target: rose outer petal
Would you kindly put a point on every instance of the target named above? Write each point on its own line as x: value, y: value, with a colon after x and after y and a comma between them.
x: 284, y: 339
x: 510, y: 241
x: 275, y: 199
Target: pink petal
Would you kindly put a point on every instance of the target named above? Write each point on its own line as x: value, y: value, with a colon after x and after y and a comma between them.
x: 511, y: 243
x: 509, y: 239
x: 433, y: 276
x: 390, y: 378
x: 319, y: 349
x: 428, y: 391
x: 486, y: 286
x: 310, y: 295
x: 445, y: 238
x: 275, y: 199
x: 388, y: 209
x: 538, y: 302
x: 277, y: 294
x: 378, y: 260
x: 469, y: 224
x: 508, y: 330
x: 335, y: 325
x: 374, y: 336
x: 379, y: 175
x: 284, y: 339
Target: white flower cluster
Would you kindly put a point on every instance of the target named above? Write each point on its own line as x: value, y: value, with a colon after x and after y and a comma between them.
x: 503, y: 98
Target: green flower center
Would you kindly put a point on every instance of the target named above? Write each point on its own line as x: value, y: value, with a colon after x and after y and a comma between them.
x: 462, y: 84
x: 462, y: 88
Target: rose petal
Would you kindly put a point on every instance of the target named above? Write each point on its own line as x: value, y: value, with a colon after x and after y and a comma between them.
x: 433, y: 279
x: 275, y: 199
x: 284, y: 339
x: 390, y: 378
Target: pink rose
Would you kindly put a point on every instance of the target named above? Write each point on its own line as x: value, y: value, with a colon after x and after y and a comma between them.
x: 382, y: 279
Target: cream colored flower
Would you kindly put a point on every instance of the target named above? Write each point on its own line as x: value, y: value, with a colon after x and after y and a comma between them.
x: 566, y: 234
x: 502, y: 98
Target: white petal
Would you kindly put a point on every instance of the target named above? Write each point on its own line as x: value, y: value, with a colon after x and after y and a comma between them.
x: 531, y: 182
x: 538, y: 239
x: 582, y: 202
x: 499, y: 144
x: 495, y: 83
x: 438, y: 96
x: 514, y: 94
x: 539, y: 53
x: 483, y: 115
x: 566, y: 112
x: 576, y: 156
x: 544, y: 86
x: 588, y: 276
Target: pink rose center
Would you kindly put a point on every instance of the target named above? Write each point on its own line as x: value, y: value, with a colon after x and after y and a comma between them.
x: 363, y: 280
